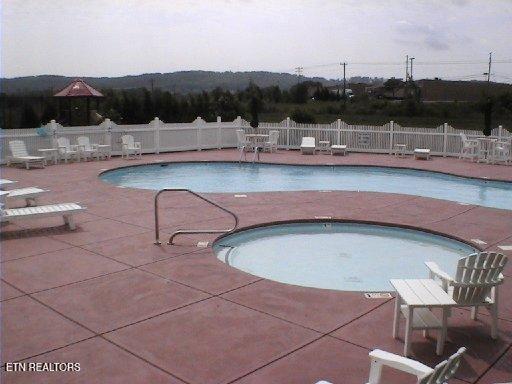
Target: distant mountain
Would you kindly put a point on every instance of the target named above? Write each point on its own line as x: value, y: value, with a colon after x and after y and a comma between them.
x: 176, y: 82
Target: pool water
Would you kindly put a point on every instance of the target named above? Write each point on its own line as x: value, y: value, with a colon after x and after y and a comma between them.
x: 341, y: 256
x: 235, y: 177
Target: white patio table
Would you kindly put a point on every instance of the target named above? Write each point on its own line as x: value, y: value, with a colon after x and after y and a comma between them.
x: 257, y: 142
x: 52, y: 153
x: 418, y: 297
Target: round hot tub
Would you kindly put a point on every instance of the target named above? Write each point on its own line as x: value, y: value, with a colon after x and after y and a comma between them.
x: 341, y: 256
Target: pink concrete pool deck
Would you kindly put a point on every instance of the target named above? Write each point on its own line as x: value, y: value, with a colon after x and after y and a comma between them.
x: 132, y: 312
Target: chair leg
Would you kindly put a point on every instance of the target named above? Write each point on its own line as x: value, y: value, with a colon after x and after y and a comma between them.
x: 375, y: 372
x: 70, y: 222
x: 474, y: 312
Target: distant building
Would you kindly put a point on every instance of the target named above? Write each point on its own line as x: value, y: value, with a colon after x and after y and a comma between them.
x: 465, y: 91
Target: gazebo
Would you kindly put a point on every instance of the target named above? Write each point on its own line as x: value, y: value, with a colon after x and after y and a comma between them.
x: 78, y: 90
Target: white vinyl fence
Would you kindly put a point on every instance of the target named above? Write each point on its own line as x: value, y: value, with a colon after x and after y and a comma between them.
x: 158, y: 136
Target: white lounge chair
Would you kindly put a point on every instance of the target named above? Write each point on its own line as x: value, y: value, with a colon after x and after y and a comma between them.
x: 87, y: 149
x: 338, y: 149
x: 422, y: 153
x: 271, y: 144
x: 476, y: 283
x: 440, y: 374
x: 130, y: 146
x: 308, y: 146
x: 4, y: 182
x: 66, y: 150
x: 66, y: 210
x: 19, y: 155
x: 469, y: 148
x: 29, y: 194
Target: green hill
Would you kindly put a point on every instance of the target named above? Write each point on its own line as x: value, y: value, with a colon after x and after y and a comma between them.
x: 178, y: 82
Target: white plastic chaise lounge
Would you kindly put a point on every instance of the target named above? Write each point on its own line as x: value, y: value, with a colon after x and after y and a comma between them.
x: 475, y: 284
x: 66, y: 210
x: 66, y: 150
x: 19, y: 155
x: 422, y: 153
x: 308, y: 146
x: 130, y: 146
x: 440, y: 374
x: 29, y: 194
x: 338, y: 149
x: 87, y: 149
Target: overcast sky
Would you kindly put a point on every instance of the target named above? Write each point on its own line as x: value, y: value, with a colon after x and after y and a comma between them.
x: 120, y: 37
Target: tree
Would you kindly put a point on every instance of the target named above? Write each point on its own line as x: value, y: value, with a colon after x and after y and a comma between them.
x: 299, y: 93
x: 393, y: 85
x: 302, y: 116
x: 29, y: 118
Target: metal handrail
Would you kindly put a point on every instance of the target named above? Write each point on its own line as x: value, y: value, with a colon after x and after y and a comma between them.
x: 182, y: 231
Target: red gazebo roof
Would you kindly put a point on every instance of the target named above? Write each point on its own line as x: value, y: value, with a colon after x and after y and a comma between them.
x: 78, y: 88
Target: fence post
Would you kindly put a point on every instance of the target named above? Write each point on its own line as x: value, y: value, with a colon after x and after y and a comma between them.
x: 287, y: 133
x: 445, y: 138
x: 219, y: 132
x: 197, y: 122
x: 391, y: 135
x: 338, y: 127
x: 156, y: 131
x: 500, y: 132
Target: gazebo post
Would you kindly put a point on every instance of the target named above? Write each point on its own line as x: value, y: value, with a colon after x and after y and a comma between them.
x: 69, y: 112
x: 88, y: 111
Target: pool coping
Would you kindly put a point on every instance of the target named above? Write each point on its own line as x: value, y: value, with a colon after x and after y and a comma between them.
x: 349, y: 221
x: 307, y: 165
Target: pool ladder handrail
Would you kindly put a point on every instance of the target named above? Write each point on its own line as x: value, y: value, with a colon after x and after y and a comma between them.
x: 190, y: 231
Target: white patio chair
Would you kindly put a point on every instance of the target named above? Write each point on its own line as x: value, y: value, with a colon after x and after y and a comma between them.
x: 66, y: 210
x: 271, y: 144
x: 469, y: 148
x: 87, y: 149
x: 243, y: 144
x: 502, y: 152
x: 440, y: 374
x: 19, y: 155
x: 308, y: 146
x: 476, y: 283
x: 66, y: 150
x: 130, y: 146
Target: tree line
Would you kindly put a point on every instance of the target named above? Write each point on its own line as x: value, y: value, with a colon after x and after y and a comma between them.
x: 304, y: 102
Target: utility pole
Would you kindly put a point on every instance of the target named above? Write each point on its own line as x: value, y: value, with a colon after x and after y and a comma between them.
x: 406, y: 68
x: 410, y: 76
x: 489, y: 69
x: 344, y: 80
x: 299, y: 71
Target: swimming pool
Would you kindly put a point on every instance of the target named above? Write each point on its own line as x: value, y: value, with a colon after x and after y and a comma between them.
x: 234, y: 177
x: 341, y: 256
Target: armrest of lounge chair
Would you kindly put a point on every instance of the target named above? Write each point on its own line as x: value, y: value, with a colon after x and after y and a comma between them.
x: 380, y: 358
x: 435, y: 271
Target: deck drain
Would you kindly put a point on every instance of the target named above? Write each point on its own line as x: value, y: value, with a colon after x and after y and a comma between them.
x: 240, y: 195
x: 203, y: 244
x: 378, y: 295
x: 478, y: 241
